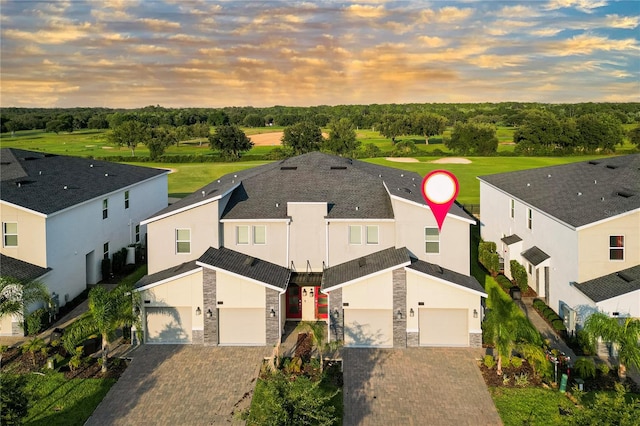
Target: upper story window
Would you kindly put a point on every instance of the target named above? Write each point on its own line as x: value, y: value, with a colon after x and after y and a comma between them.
x: 355, y: 234
x: 616, y: 247
x: 137, y: 233
x: 105, y: 250
x: 432, y: 240
x: 183, y: 241
x: 512, y: 208
x: 260, y: 234
x: 10, y: 234
x: 529, y: 219
x: 242, y: 234
x: 126, y: 199
x: 372, y: 234
x: 105, y: 208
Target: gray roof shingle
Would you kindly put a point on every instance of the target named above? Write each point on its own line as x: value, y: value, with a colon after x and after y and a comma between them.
x: 247, y: 266
x: 578, y: 193
x: 364, y: 266
x: 19, y: 269
x: 37, y: 181
x: 167, y: 273
x: 612, y: 285
x: 535, y: 256
x: 511, y: 239
x: 446, y: 274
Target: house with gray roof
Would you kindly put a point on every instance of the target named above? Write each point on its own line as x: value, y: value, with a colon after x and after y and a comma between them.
x: 575, y: 228
x: 61, y: 216
x: 314, y: 237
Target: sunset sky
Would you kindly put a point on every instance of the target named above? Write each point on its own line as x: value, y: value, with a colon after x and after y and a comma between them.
x: 198, y: 53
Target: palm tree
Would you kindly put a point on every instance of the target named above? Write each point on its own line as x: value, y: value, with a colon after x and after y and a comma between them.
x: 17, y: 296
x: 107, y: 312
x: 622, y: 332
x: 505, y: 325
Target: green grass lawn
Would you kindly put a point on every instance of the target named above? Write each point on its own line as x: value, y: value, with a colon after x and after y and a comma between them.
x: 538, y: 406
x: 58, y: 401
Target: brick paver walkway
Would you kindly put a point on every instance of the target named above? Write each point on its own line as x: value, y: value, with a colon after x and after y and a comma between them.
x: 415, y: 386
x: 182, y: 385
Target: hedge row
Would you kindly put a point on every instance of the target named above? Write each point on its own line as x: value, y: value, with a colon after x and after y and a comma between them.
x: 549, y: 314
x: 488, y: 257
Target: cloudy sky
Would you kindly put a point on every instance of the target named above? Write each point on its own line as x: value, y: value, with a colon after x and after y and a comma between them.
x: 180, y: 53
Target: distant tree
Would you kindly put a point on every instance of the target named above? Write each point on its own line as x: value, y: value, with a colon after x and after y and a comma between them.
x: 599, y: 131
x: 321, y: 119
x: 130, y: 133
x: 427, y: 125
x: 394, y: 125
x: 634, y: 136
x: 160, y: 138
x: 287, y: 120
x: 63, y: 123
x: 302, y: 137
x: 230, y: 140
x: 98, y: 121
x: 538, y: 129
x: 342, y: 138
x: 218, y: 118
x: 471, y: 138
x: 253, y: 120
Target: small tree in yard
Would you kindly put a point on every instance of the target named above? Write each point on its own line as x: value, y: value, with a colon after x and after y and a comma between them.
x: 16, y: 296
x: 231, y: 140
x: 519, y: 275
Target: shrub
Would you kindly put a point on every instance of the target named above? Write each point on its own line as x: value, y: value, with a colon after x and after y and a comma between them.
x: 558, y: 325
x: 76, y: 360
x: 522, y: 380
x: 489, y: 361
x: 585, y: 368
x: 488, y: 256
x: 604, y: 369
x: 516, y: 362
x: 539, y: 304
x: 504, y: 282
x: 519, y: 274
x: 35, y: 320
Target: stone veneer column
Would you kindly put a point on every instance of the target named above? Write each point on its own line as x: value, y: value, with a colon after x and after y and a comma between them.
x: 475, y: 340
x: 336, y: 324
x: 210, y: 302
x: 413, y: 339
x: 272, y: 327
x: 399, y: 304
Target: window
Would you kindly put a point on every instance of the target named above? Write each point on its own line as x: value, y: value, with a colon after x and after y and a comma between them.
x: 105, y: 208
x: 432, y: 240
x: 10, y: 234
x: 616, y: 247
x: 183, y: 241
x: 529, y: 218
x: 372, y: 235
x: 260, y: 234
x: 242, y: 234
x: 512, y: 208
x: 530, y: 269
x: 126, y: 199
x: 105, y: 250
x: 137, y: 233
x: 355, y: 234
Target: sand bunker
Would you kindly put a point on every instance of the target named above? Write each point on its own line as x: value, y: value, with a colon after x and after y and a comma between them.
x: 266, y: 139
x: 402, y: 159
x: 451, y: 160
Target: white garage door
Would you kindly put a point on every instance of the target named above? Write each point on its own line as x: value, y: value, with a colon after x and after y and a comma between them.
x: 368, y: 328
x: 444, y: 327
x: 242, y: 326
x: 168, y: 325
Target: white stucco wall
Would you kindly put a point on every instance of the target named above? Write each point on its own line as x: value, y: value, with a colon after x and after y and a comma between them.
x: 626, y: 306
x: 340, y: 250
x: 275, y: 249
x: 307, y: 235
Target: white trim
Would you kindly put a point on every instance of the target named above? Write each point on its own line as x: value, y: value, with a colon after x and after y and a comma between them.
x: 373, y: 274
x: 166, y: 280
x: 588, y: 225
x: 215, y: 268
x: 189, y: 207
x: 285, y: 220
x: 16, y: 206
x: 413, y: 330
x: 476, y: 331
x: 307, y: 202
x: 470, y: 221
x: 358, y: 220
x: 443, y: 281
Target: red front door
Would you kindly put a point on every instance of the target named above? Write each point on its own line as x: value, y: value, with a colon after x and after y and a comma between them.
x: 322, y: 304
x: 294, y: 302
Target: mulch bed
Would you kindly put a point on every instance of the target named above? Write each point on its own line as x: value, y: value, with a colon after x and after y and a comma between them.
x: 492, y: 379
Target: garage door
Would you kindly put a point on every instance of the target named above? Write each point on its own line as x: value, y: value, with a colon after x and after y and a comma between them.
x: 168, y: 325
x: 242, y: 327
x: 368, y: 328
x: 444, y: 327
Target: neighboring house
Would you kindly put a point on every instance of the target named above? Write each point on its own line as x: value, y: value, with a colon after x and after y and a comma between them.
x: 575, y: 228
x: 314, y: 237
x: 62, y: 215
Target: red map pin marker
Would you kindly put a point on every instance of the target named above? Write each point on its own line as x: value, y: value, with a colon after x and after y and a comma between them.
x: 440, y: 189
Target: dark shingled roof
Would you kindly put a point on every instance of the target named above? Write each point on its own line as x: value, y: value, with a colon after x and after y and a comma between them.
x: 314, y: 177
x: 612, y: 285
x: 535, y: 256
x: 20, y: 270
x: 446, y: 274
x: 36, y: 181
x: 167, y: 273
x: 247, y: 266
x: 364, y: 266
x: 511, y: 239
x: 579, y: 193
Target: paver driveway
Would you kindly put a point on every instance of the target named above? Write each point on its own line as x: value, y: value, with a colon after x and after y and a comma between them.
x: 415, y: 386
x: 182, y: 385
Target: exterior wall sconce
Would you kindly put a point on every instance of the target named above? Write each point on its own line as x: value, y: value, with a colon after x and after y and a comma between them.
x: 475, y: 313
x: 311, y: 292
x: 198, y: 311
x: 272, y: 313
x: 137, y: 310
x: 399, y: 314
x: 209, y: 313
x: 304, y: 292
x: 411, y: 313
x: 336, y: 313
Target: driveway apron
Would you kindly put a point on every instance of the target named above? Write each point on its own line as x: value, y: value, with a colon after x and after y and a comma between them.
x: 415, y: 386
x: 182, y: 385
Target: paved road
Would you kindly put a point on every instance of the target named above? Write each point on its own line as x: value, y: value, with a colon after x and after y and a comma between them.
x: 182, y: 385
x: 415, y: 386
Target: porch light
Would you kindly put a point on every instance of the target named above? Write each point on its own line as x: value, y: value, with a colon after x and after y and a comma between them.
x: 399, y: 314
x: 209, y: 313
x: 475, y: 313
x: 272, y: 313
x: 304, y: 292
x: 137, y: 310
x: 411, y: 313
x: 198, y: 311
x: 336, y: 313
x: 311, y: 292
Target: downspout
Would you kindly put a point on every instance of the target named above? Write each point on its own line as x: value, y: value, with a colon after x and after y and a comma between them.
x: 288, y: 242
x: 326, y: 256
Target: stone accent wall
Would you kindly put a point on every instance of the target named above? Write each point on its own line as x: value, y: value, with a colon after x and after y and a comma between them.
x: 399, y: 304
x: 197, y: 337
x: 413, y: 339
x: 337, y: 325
x: 475, y: 340
x: 210, y: 302
x: 272, y: 326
